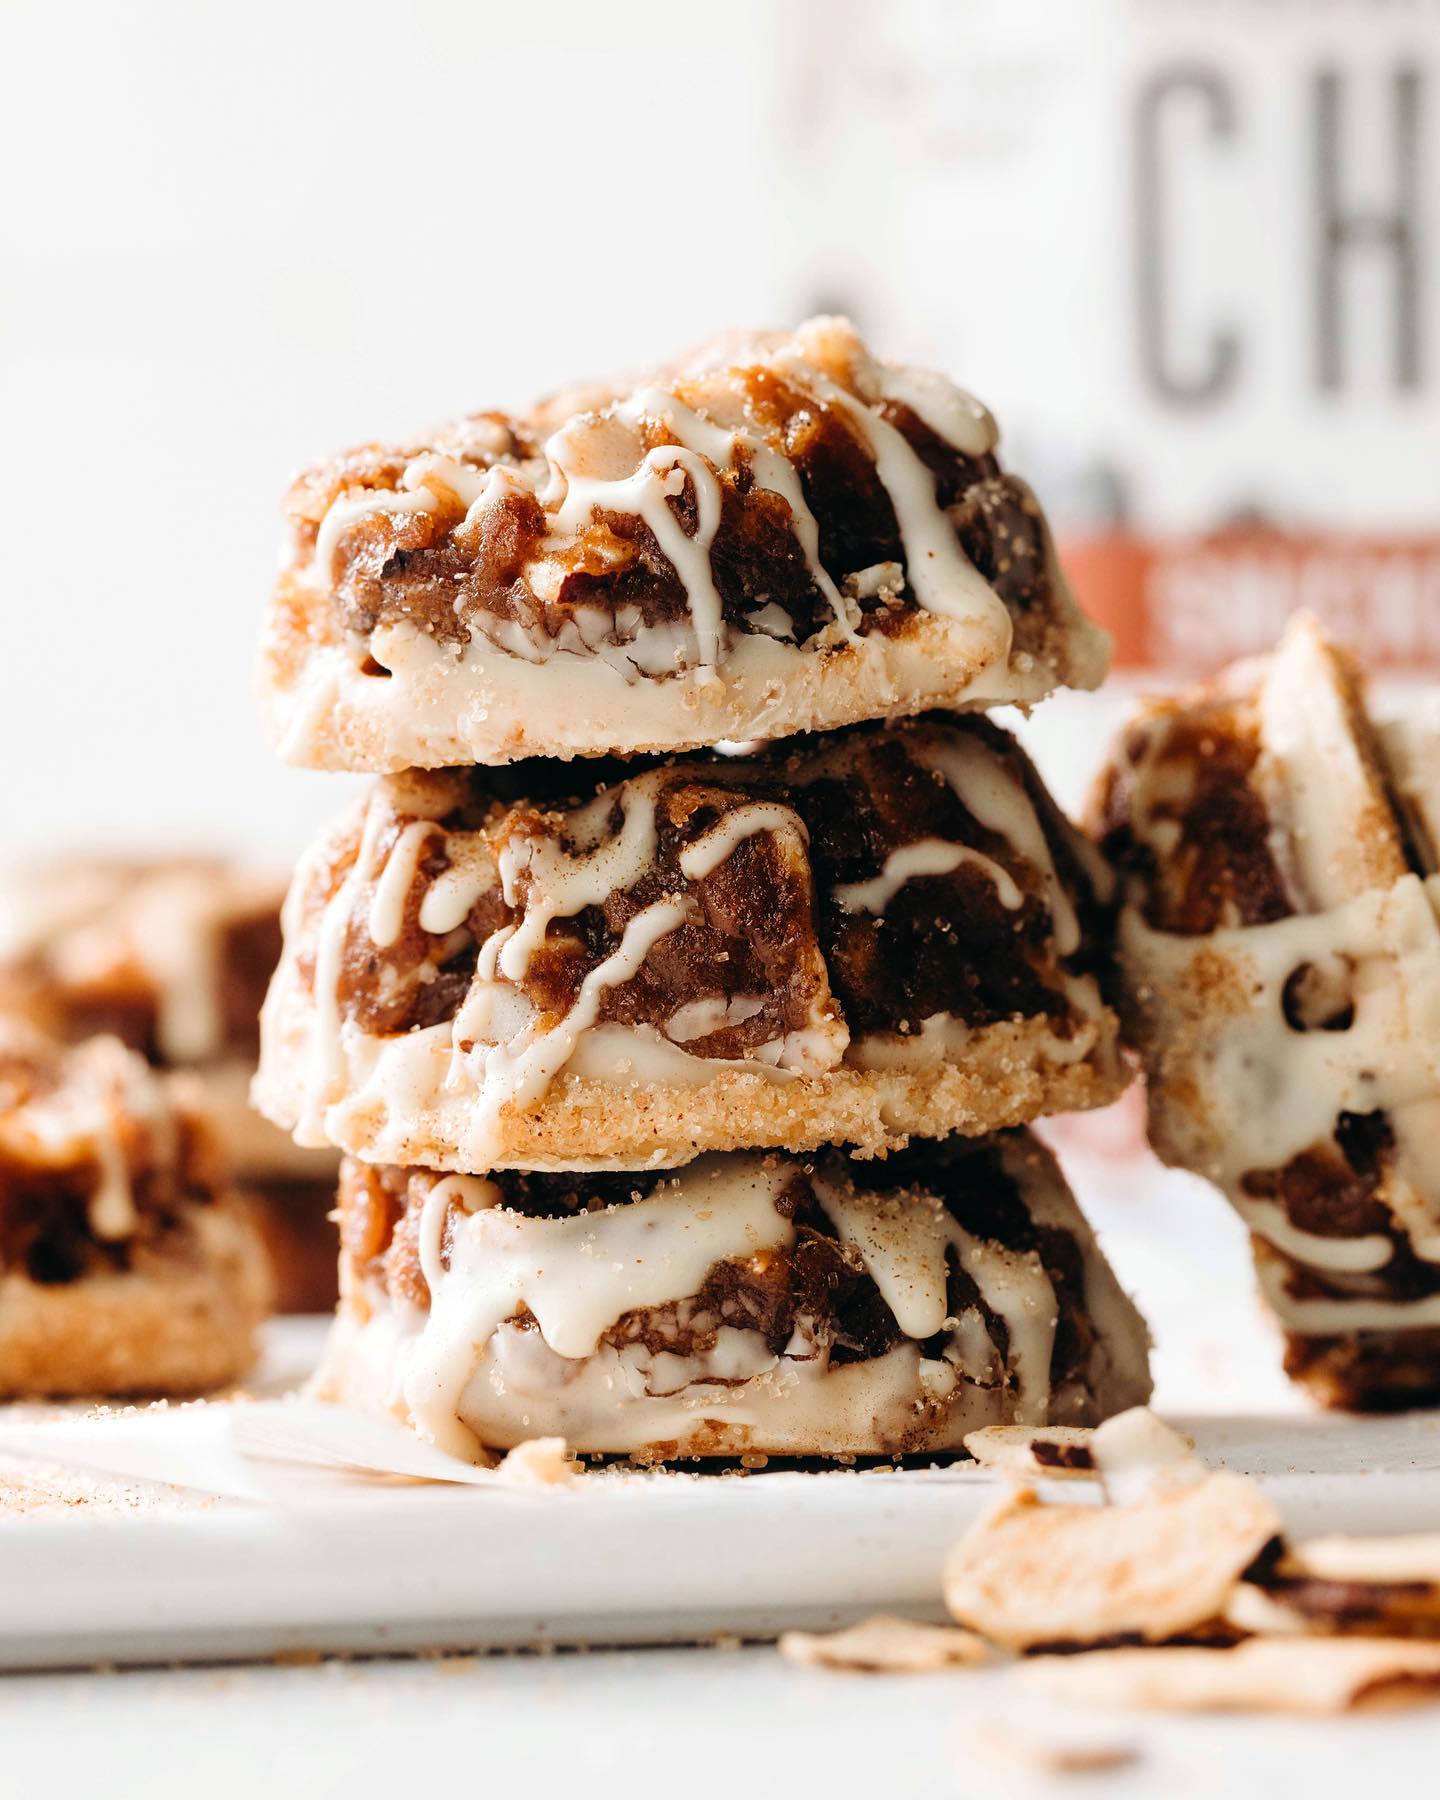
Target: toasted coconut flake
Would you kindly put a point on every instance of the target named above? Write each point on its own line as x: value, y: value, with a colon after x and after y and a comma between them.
x: 1260, y: 1612
x: 1047, y: 1756
x: 1377, y: 1587
x: 1415, y: 1558
x: 541, y: 1462
x: 1023, y: 1452
x: 1136, y: 1451
x: 1283, y: 1603
x: 883, y: 1646
x: 1286, y: 1675
x: 1028, y: 1575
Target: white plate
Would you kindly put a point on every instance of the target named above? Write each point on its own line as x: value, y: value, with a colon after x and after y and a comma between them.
x: 329, y: 1562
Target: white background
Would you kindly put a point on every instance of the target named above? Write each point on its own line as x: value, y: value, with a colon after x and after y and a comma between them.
x: 237, y: 238
x: 233, y: 239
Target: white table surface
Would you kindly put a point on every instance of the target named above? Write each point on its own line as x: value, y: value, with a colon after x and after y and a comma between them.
x: 690, y: 1723
x: 726, y: 1721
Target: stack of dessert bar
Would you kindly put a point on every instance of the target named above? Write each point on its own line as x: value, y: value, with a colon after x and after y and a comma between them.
x: 681, y: 988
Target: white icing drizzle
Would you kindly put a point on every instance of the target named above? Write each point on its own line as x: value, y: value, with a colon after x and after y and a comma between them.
x: 930, y: 856
x: 104, y: 1099
x: 942, y: 577
x: 726, y: 1400
x: 949, y: 411
x: 1122, y: 1338
x: 576, y: 1276
x: 1341, y: 1314
x: 560, y: 884
x: 387, y: 902
x: 326, y: 1058
x: 111, y: 1208
x: 718, y: 844
x: 903, y: 1240
x: 1014, y: 1285
x: 878, y: 578
x: 455, y: 890
x: 1269, y: 1220
x: 493, y: 1010
x: 699, y: 1018
x: 321, y: 699
x: 770, y: 470
x: 938, y: 1038
x: 350, y: 509
x: 992, y: 794
x: 473, y: 486
x: 518, y: 1073
x: 777, y: 474
x: 1411, y: 748
x: 639, y: 1053
x: 1331, y: 828
x: 1268, y: 1092
x: 472, y: 1194
x: 646, y: 495
x: 177, y: 924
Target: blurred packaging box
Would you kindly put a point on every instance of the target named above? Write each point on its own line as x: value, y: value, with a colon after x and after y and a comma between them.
x: 1188, y: 251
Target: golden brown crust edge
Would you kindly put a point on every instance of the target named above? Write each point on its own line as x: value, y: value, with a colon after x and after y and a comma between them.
x: 183, y: 1322
x: 1003, y: 1078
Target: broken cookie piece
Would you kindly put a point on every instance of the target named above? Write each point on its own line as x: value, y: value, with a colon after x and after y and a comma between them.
x: 1282, y: 1675
x: 884, y: 1646
x: 1128, y: 1454
x: 1025, y: 1452
x: 1374, y: 1587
